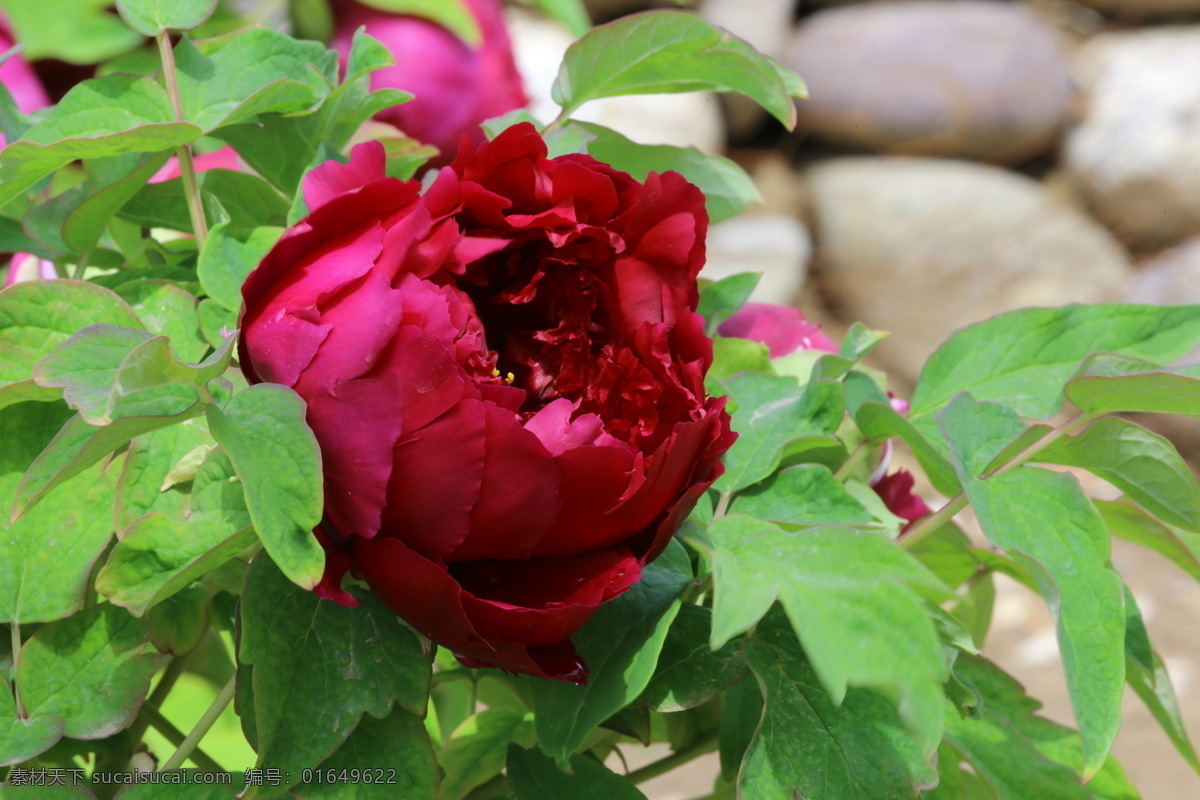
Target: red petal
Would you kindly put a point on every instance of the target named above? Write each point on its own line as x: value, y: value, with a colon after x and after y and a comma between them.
x: 436, y: 478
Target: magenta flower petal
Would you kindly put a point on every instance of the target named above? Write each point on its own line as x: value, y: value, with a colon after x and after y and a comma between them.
x: 781, y: 328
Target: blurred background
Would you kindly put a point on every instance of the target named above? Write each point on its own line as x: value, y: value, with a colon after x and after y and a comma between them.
x: 956, y: 159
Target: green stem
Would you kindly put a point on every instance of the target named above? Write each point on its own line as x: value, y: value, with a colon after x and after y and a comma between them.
x: 947, y: 512
x: 15, y: 629
x: 722, y: 506
x: 187, y: 167
x: 559, y: 120
x: 852, y: 461
x: 176, y: 737
x: 194, y: 736
x: 676, y: 759
x: 174, y: 669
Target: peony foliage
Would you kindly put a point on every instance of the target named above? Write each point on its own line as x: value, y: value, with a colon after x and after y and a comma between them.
x: 355, y: 448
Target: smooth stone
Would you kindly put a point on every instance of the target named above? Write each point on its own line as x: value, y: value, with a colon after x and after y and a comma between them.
x: 979, y: 80
x: 923, y: 247
x: 1136, y: 154
x: 775, y: 245
x: 683, y: 120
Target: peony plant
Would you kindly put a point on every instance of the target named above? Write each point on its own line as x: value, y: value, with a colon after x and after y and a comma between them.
x: 333, y: 471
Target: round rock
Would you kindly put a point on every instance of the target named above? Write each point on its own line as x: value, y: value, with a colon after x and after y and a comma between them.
x: 980, y: 79
x: 776, y: 246
x: 1136, y: 154
x: 923, y: 247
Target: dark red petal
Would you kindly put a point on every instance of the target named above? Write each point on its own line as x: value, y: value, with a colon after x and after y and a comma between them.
x: 429, y: 599
x: 519, y: 494
x: 337, y: 564
x: 436, y: 477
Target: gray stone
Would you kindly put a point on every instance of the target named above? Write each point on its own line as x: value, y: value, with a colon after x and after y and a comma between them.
x: 1136, y: 154
x: 922, y: 247
x: 774, y: 245
x: 973, y: 79
x: 1170, y: 278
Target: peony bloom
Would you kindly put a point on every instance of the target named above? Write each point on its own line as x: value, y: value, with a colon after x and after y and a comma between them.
x: 782, y: 329
x: 455, y: 86
x: 506, y: 378
x: 18, y: 77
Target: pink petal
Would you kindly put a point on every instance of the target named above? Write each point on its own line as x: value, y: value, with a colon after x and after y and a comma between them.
x: 368, y: 162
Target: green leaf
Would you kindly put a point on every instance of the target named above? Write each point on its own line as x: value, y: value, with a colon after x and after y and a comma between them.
x: 85, y: 367
x: 804, y: 495
x: 946, y: 553
x: 741, y: 712
x: 1128, y: 522
x: 279, y: 463
x: 812, y: 745
x: 230, y: 79
x: 46, y: 557
x: 1144, y: 465
x: 533, y: 776
x: 1109, y: 382
x: 689, y: 674
x: 1019, y: 754
x: 718, y: 301
x: 92, y: 670
x: 880, y: 422
x: 195, y: 786
x: 670, y: 51
x: 1147, y: 676
x: 228, y: 257
x: 395, y: 748
x: 160, y: 554
x: 38, y: 316
x: 836, y: 585
x: 731, y: 356
x: 318, y: 666
x: 75, y: 31
x: 981, y: 432
x: 83, y: 226
x: 246, y: 198
x: 20, y: 738
x: 726, y: 186
x: 152, y: 17
x: 107, y: 372
x: 143, y: 484
x: 167, y: 309
x: 1052, y: 530
x: 621, y: 646
x: 477, y: 749
x: 770, y: 412
x: 79, y: 445
x: 571, y: 13
x: 216, y: 322
x: 453, y: 15
x: 98, y: 118
x: 1024, y: 358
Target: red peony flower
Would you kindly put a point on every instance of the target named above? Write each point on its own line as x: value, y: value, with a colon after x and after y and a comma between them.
x: 455, y: 86
x: 506, y: 378
x: 782, y: 329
